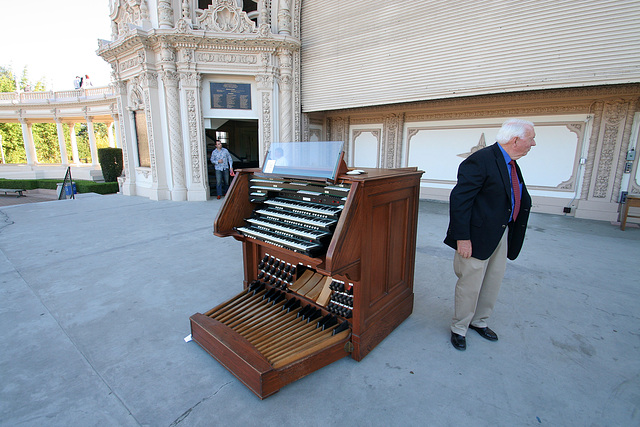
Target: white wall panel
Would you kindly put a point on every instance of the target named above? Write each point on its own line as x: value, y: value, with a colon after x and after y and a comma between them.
x: 366, y: 146
x: 363, y: 53
x: 550, y: 165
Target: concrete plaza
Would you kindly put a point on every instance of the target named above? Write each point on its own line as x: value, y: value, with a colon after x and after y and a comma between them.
x: 96, y: 295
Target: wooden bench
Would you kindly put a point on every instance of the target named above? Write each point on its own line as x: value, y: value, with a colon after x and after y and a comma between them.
x: 633, y: 201
x: 13, y: 190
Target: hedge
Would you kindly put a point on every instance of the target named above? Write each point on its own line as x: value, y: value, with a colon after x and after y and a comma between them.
x: 82, y: 186
x: 110, y: 160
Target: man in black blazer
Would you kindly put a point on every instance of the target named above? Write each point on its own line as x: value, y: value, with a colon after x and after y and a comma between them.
x: 487, y: 223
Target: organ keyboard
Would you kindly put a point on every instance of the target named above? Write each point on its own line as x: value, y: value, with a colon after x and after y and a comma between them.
x: 336, y: 255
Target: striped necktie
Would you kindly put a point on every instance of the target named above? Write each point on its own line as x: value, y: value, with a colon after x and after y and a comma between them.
x: 515, y: 184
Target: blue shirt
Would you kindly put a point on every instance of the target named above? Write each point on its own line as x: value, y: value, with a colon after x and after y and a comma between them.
x: 221, y: 154
x: 507, y: 159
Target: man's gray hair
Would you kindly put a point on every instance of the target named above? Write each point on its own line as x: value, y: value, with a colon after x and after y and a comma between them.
x: 511, y: 128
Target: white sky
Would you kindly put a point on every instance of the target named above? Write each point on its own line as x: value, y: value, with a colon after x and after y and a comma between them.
x: 55, y: 39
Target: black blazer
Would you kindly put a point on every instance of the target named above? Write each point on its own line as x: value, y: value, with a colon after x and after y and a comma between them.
x: 480, y: 205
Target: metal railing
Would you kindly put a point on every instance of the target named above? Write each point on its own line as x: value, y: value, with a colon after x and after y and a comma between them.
x: 56, y: 96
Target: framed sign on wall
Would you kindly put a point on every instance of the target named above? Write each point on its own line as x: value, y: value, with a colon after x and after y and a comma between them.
x: 233, y: 96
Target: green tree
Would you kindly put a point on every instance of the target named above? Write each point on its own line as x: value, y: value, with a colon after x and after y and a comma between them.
x: 11, y: 132
x: 7, y: 81
x: 45, y: 137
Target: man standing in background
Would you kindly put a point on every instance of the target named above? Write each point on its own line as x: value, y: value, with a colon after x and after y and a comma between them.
x: 488, y: 215
x: 223, y: 164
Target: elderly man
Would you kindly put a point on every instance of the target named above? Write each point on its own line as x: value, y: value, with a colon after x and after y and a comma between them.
x: 489, y: 210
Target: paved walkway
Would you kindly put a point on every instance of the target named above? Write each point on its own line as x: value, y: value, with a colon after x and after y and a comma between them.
x: 96, y: 295
x: 29, y: 196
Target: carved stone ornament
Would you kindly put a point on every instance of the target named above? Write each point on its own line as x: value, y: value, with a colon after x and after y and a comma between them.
x: 165, y: 14
x: 225, y: 16
x: 265, y: 81
x: 127, y: 14
x: 226, y: 58
x: 614, y: 112
x: 194, y: 151
x: 190, y: 79
x: 284, y: 17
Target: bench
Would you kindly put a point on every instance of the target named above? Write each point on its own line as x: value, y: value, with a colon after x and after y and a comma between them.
x: 633, y: 201
x: 13, y: 190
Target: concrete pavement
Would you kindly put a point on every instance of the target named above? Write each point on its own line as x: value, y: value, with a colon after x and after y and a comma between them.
x: 96, y: 294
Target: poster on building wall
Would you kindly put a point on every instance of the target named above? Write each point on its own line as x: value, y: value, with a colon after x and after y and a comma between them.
x: 233, y: 96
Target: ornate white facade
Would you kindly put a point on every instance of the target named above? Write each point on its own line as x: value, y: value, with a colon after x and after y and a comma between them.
x: 401, y: 87
x: 165, y: 55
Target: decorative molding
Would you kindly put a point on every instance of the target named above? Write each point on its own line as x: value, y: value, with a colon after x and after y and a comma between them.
x: 265, y: 81
x: 193, y: 131
x: 614, y: 112
x: 132, y: 62
x: 126, y: 15
x: 189, y: 79
x: 625, y: 143
x: 226, y: 58
x: 570, y: 184
x: 579, y: 100
x: 150, y: 136
x: 170, y: 78
x: 225, y: 16
x: 143, y: 171
x: 355, y: 133
x: 392, y: 144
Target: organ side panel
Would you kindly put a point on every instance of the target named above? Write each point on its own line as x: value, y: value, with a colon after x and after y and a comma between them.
x: 385, y: 295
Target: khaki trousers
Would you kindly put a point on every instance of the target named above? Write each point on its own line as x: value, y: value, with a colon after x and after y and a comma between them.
x: 477, y: 287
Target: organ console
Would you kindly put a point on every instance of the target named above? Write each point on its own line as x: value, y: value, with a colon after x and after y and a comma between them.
x: 328, y: 265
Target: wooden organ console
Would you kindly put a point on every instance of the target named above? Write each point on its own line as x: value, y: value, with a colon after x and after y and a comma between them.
x: 328, y: 271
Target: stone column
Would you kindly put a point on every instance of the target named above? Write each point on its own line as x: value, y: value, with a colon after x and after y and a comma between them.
x: 29, y: 146
x: 92, y: 141
x: 170, y: 79
x: 74, y: 143
x: 286, y: 94
x: 284, y: 17
x: 165, y: 14
x: 64, y: 160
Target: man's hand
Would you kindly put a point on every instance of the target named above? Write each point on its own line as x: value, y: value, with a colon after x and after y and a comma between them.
x: 464, y: 248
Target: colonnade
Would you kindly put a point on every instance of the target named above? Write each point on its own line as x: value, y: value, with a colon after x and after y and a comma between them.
x: 32, y: 155
x: 90, y: 106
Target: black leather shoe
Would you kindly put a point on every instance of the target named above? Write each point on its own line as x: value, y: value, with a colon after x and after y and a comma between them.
x: 459, y: 342
x: 485, y: 333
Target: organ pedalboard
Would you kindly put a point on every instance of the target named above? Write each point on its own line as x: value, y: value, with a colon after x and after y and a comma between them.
x: 328, y: 272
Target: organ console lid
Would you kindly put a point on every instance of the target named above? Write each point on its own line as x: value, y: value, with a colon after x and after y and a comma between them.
x: 321, y: 160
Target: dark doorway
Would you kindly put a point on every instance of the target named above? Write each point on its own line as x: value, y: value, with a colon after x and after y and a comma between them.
x: 240, y: 137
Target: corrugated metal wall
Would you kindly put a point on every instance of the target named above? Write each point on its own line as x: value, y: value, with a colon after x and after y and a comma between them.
x: 360, y: 53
